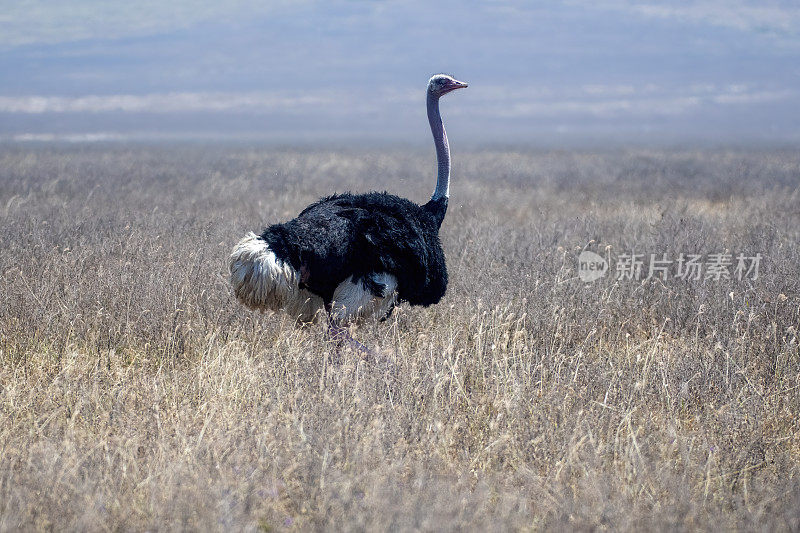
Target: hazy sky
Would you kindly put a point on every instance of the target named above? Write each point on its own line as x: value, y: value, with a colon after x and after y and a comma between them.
x: 539, y: 72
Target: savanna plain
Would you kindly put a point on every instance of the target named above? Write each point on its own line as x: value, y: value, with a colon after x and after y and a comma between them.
x: 137, y: 394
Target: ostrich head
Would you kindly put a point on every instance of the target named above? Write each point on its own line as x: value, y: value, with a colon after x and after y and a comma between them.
x: 441, y: 84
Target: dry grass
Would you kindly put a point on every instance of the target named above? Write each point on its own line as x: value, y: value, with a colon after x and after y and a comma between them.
x: 136, y: 394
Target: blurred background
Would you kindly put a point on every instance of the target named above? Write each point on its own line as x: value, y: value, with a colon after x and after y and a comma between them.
x: 561, y: 73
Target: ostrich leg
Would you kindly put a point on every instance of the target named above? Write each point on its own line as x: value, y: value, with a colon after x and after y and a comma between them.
x: 341, y: 335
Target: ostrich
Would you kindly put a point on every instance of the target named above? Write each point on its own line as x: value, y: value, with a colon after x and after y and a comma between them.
x: 353, y: 255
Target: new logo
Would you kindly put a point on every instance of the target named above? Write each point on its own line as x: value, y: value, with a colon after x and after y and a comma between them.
x: 591, y: 266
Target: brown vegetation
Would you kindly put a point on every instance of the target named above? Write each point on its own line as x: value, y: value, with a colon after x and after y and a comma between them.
x: 135, y: 393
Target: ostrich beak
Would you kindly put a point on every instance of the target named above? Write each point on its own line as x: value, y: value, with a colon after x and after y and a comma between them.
x: 452, y: 85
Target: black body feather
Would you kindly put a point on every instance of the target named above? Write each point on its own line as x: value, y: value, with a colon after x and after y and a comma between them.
x: 359, y: 235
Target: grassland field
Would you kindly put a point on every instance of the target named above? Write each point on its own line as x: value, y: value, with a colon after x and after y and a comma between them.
x: 137, y: 394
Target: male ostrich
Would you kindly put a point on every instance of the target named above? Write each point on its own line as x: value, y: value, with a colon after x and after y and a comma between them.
x: 353, y: 255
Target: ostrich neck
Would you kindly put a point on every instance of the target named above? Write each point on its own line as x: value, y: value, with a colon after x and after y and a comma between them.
x: 442, y: 149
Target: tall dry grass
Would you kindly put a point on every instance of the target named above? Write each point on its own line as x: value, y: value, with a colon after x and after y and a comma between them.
x: 136, y: 394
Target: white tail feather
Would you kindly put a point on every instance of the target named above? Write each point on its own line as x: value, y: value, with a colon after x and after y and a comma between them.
x: 262, y: 281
